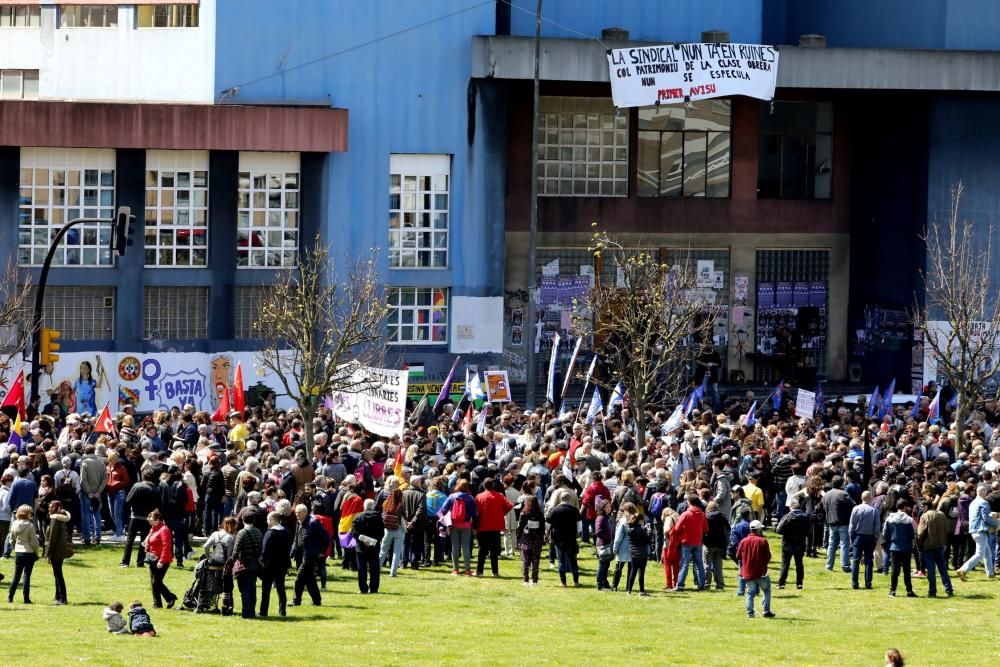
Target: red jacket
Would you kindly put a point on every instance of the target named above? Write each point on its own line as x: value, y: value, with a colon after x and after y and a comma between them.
x: 492, y: 507
x: 160, y: 542
x: 691, y: 527
x: 589, y: 500
x: 117, y: 478
x: 753, y: 553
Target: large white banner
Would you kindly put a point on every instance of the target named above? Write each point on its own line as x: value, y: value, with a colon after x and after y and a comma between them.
x: 381, y: 408
x: 85, y: 381
x: 670, y: 74
x: 941, y: 329
x: 805, y: 404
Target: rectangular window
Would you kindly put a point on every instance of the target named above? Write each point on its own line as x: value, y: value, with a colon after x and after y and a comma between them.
x: 249, y: 301
x: 18, y: 84
x: 684, y: 151
x: 418, y: 210
x: 175, y: 313
x: 168, y: 16
x: 268, y: 211
x: 176, y: 208
x: 88, y: 16
x: 418, y: 315
x: 78, y: 312
x: 582, y: 148
x: 59, y: 185
x: 20, y: 16
x: 796, y: 150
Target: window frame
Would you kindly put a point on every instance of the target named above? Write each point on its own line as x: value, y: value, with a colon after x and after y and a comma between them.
x: 22, y: 75
x: 174, y: 163
x: 405, y: 166
x: 397, y: 307
x: 106, y: 12
x: 29, y: 12
x: 782, y: 136
x: 286, y: 168
x: 193, y: 10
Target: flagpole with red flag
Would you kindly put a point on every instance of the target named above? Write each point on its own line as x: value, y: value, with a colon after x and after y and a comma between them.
x: 104, y: 422
x: 15, y: 398
x: 222, y: 413
x: 239, y: 397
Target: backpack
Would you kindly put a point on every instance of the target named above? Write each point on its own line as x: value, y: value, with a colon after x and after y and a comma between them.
x: 218, y: 556
x: 458, y: 510
x: 656, y: 505
x: 66, y: 493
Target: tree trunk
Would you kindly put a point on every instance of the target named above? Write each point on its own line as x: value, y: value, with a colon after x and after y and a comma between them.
x: 959, y: 423
x: 640, y: 420
x: 308, y: 411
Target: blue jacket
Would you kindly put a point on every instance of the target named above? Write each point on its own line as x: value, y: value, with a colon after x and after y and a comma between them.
x: 979, y: 515
x: 622, y: 546
x: 23, y: 491
x: 315, y: 539
x: 899, y: 533
x: 740, y: 530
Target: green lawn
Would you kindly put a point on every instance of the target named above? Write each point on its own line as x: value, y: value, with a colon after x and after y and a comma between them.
x: 430, y: 617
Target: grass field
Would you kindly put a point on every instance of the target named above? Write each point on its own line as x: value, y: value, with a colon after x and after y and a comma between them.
x: 431, y: 617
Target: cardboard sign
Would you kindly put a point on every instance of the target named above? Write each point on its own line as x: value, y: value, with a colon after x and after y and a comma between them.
x: 497, y: 386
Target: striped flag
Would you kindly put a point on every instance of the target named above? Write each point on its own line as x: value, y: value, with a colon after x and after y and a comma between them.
x: 751, y: 416
x: 572, y: 365
x: 596, y: 406
x: 550, y: 385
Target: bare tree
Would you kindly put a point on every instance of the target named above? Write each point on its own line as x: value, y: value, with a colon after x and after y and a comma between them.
x: 960, y: 316
x: 321, y: 329
x: 15, y: 318
x: 648, y: 325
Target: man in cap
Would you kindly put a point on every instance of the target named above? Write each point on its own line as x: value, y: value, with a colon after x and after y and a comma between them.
x: 754, y: 555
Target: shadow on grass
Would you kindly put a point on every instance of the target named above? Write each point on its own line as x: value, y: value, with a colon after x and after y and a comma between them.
x: 976, y: 596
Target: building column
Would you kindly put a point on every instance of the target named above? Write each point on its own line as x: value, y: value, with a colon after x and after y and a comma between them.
x: 223, y: 196
x: 130, y: 190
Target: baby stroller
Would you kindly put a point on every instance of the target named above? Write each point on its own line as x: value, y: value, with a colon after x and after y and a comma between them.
x: 203, y: 595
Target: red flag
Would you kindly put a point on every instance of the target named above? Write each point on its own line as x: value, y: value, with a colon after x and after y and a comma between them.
x: 467, y: 422
x: 239, y: 398
x: 15, y: 397
x: 222, y: 414
x: 104, y: 423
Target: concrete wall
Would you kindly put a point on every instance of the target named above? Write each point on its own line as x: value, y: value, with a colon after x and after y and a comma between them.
x: 914, y: 24
x: 671, y: 20
x: 124, y: 63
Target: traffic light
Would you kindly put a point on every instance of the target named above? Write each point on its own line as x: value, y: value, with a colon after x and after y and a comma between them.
x: 49, y: 346
x: 121, y: 236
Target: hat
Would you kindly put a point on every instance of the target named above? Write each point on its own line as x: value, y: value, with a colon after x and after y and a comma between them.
x: 756, y: 525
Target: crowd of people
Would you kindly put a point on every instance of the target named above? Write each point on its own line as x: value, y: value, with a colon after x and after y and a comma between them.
x: 896, y: 495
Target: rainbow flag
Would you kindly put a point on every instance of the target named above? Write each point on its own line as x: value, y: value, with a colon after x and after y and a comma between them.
x: 353, y: 506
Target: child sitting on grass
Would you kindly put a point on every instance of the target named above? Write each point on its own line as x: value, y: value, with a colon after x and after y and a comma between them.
x: 113, y: 617
x: 139, y: 622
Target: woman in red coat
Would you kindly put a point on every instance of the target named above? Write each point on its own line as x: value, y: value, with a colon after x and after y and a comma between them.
x: 159, y: 555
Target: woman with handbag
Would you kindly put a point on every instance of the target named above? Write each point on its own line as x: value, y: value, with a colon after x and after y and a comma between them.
x: 58, y: 547
x: 159, y: 555
x: 26, y: 550
x: 604, y: 535
x: 246, y: 562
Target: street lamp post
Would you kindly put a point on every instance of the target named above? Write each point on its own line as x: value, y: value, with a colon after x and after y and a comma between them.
x: 533, y: 224
x: 36, y: 321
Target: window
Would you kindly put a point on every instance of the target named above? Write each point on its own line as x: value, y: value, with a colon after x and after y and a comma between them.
x: 18, y: 84
x: 175, y: 313
x: 268, y: 211
x: 59, y: 185
x: 582, y: 148
x: 684, y: 151
x: 78, y: 312
x: 418, y: 210
x: 176, y: 208
x: 88, y: 16
x: 796, y: 151
x: 20, y: 16
x: 418, y: 315
x: 168, y: 16
x: 249, y: 301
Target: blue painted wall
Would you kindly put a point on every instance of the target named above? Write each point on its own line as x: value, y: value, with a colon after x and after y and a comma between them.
x: 669, y: 20
x: 895, y: 24
x: 406, y: 93
x: 964, y: 145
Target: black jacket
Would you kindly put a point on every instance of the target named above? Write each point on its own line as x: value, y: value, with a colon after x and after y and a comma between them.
x: 718, y: 530
x: 638, y: 540
x: 368, y: 524
x: 275, y: 550
x: 837, y: 506
x: 793, y: 528
x: 214, y: 486
x: 562, y: 520
x: 144, y: 498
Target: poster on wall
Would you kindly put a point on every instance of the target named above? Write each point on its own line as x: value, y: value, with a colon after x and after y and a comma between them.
x: 497, y: 386
x: 675, y: 73
x: 381, y: 406
x: 82, y: 381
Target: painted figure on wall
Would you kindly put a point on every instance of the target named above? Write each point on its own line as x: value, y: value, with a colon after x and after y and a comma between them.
x: 86, y: 389
x: 221, y: 370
